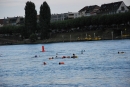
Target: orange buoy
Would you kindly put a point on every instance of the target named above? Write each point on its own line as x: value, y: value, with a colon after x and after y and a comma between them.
x: 43, y: 49
x: 61, y: 63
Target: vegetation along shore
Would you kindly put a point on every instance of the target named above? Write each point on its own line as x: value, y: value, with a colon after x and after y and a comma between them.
x: 86, y: 28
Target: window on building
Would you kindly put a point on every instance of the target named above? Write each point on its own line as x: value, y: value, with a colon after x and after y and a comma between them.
x: 119, y: 11
x: 122, y: 8
x: 71, y: 14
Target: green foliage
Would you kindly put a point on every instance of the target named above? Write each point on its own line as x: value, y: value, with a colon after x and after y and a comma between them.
x: 30, y: 18
x: 106, y: 20
x: 45, y: 17
x: 11, y: 29
x: 44, y: 25
x: 33, y: 37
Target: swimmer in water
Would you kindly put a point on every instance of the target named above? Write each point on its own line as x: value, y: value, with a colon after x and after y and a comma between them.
x: 44, y: 63
x: 51, y: 58
x: 73, y: 56
x: 120, y: 52
x: 81, y: 51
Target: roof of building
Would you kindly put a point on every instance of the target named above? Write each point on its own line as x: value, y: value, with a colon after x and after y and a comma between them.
x: 88, y: 8
x: 1, y: 21
x: 128, y: 7
x: 110, y: 6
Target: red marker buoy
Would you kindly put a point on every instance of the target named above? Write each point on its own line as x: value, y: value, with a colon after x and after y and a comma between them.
x: 43, y: 49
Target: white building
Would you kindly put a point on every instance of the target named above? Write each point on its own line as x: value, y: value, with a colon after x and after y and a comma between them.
x: 73, y: 15
x: 113, y: 8
x: 89, y: 10
x: 14, y: 20
x: 59, y: 17
x: 64, y: 16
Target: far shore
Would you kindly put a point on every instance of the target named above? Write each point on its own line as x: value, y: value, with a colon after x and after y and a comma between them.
x: 52, y: 41
x: 75, y: 36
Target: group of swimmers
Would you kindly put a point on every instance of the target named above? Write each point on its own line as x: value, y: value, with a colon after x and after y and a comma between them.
x: 60, y: 63
x: 73, y: 56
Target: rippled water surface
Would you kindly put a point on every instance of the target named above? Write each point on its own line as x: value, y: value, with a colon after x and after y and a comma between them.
x: 99, y: 66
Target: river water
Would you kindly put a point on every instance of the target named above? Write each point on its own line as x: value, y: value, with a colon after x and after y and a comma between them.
x: 100, y: 65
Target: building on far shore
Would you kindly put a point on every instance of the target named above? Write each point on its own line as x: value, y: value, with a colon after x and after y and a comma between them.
x: 59, y: 17
x: 105, y: 9
x: 113, y: 8
x: 12, y: 21
x: 1, y: 22
x: 73, y: 15
x: 89, y: 10
x: 64, y: 16
x: 128, y: 7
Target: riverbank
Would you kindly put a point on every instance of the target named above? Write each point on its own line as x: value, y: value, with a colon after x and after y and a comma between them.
x: 90, y: 35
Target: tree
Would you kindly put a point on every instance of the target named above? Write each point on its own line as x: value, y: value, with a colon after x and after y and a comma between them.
x: 45, y: 17
x: 30, y: 18
x: 33, y: 37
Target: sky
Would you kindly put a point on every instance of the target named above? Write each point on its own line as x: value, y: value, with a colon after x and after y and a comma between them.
x: 14, y: 8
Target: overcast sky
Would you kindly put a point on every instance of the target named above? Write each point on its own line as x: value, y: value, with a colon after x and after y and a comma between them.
x: 13, y: 8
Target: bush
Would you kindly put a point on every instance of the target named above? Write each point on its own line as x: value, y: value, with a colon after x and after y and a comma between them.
x: 33, y: 37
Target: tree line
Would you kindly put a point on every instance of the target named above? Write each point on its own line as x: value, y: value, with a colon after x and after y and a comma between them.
x: 43, y: 27
x: 98, y: 20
